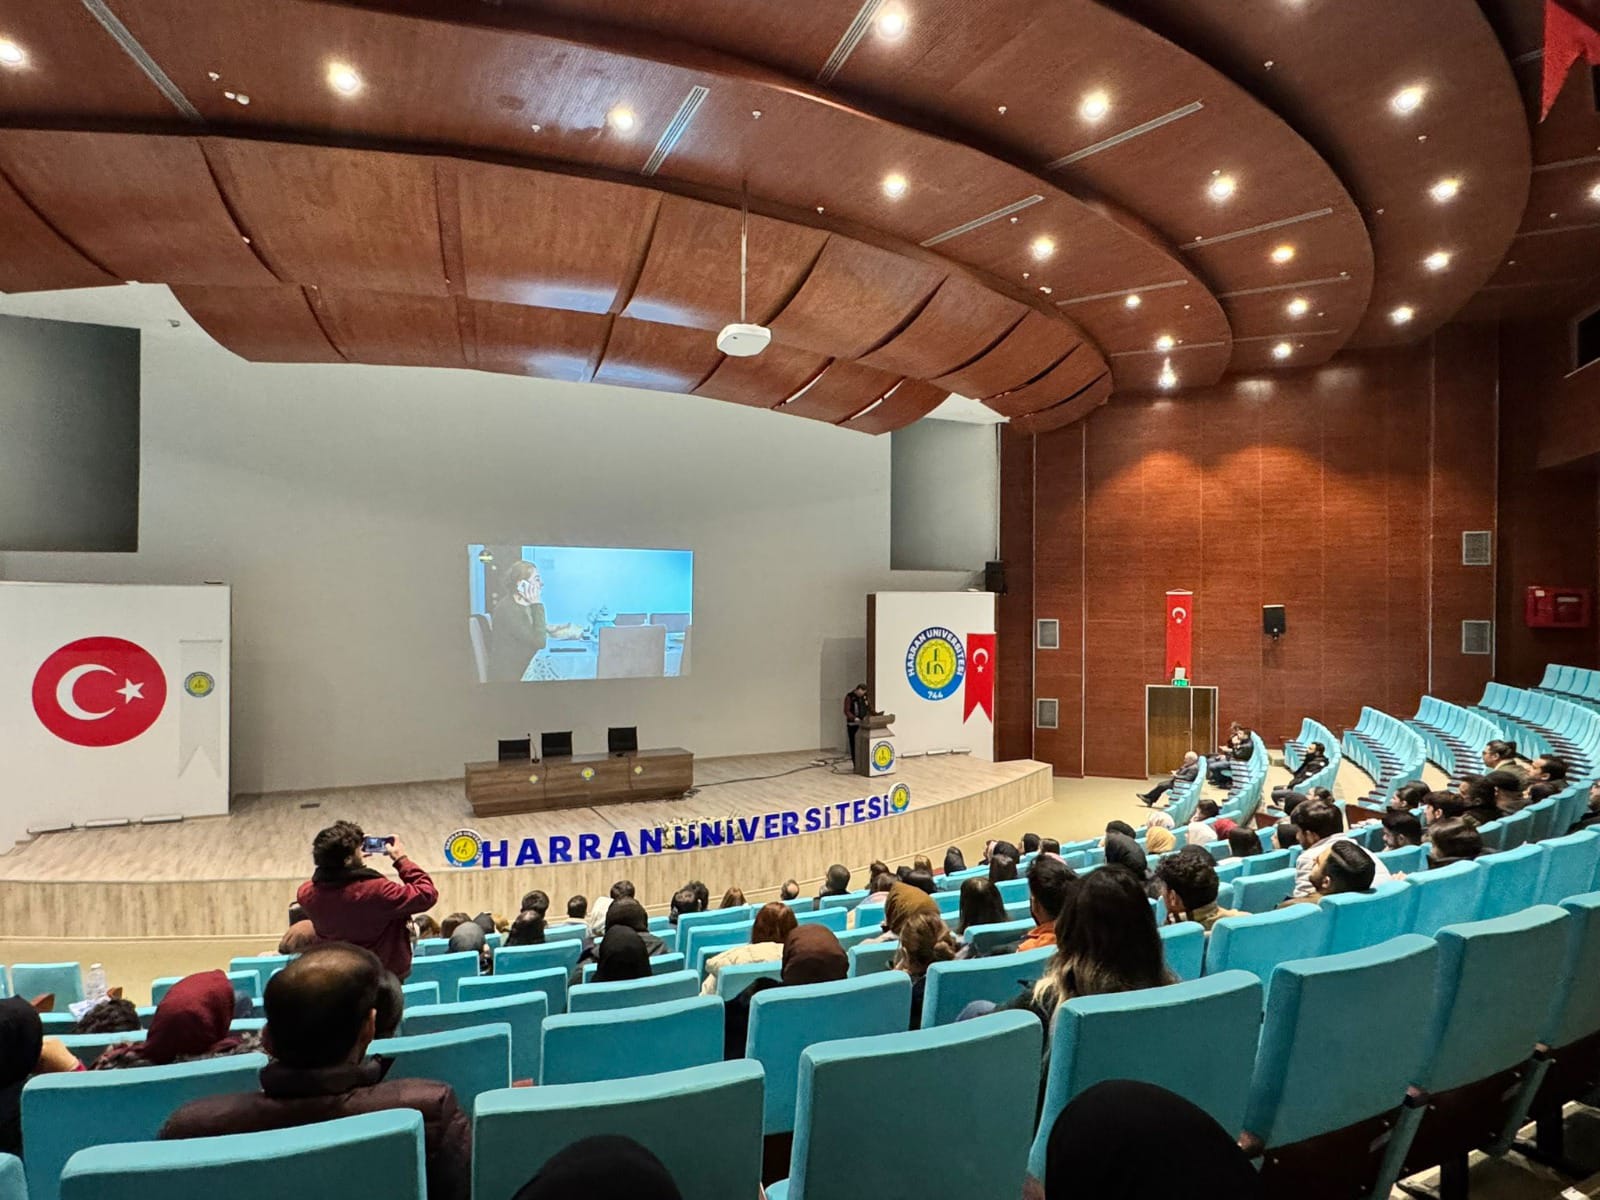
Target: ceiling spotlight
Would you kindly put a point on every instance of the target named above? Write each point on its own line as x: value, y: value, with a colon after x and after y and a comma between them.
x: 891, y: 22
x: 1399, y: 316
x: 621, y: 119
x: 1042, y: 248
x: 1168, y: 379
x: 1408, y: 99
x: 1132, y: 301
x: 1594, y: 192
x: 1282, y: 351
x: 894, y: 186
x: 1094, y: 106
x: 1437, y: 261
x: 1445, y: 190
x: 1165, y: 342
x: 1221, y: 186
x: 11, y: 54
x: 343, y: 79
x: 1282, y: 254
x: 1299, y: 306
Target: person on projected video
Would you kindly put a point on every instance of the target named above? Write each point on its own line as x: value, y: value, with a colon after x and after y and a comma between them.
x: 520, y: 630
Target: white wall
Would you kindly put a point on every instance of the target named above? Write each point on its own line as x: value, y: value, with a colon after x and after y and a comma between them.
x: 338, y: 501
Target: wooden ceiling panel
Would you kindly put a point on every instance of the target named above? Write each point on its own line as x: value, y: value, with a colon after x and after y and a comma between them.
x: 34, y: 257
x: 909, y: 402
x: 261, y: 324
x: 72, y: 70
x: 393, y: 330
x: 691, y: 275
x: 1068, y: 411
x: 766, y: 380
x: 840, y: 392
x: 668, y: 358
x: 855, y: 298
x: 547, y: 343
x: 1196, y: 364
x: 961, y: 321
x: 1066, y: 379
x: 1028, y: 351
x: 551, y: 241
x: 335, y: 218
x: 143, y: 206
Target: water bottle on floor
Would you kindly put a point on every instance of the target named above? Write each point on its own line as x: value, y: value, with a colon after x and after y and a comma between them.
x: 95, y: 986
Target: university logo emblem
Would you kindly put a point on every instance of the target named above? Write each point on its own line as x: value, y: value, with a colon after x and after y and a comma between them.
x: 883, y: 756
x: 900, y: 797
x: 935, y: 663
x: 199, y: 684
x: 462, y: 847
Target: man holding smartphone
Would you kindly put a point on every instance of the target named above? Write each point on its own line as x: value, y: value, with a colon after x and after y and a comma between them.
x: 347, y: 901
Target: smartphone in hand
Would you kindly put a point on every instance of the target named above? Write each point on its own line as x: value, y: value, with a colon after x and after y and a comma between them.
x: 377, y: 845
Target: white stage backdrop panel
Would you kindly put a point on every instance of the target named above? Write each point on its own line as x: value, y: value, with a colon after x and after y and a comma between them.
x: 932, y: 658
x: 113, y: 703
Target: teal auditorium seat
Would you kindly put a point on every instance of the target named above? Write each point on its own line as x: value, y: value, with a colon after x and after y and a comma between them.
x: 62, y: 1114
x: 419, y: 993
x: 784, y: 1021
x: 733, y: 980
x: 1569, y: 866
x: 574, y: 930
x: 1325, y: 1130
x: 510, y: 960
x: 846, y: 900
x: 308, y: 1162
x: 703, y: 1123
x: 523, y: 1015
x: 1571, y: 1031
x: 1262, y: 893
x: 472, y: 1061
x: 587, y: 1047
x: 1011, y: 890
x: 870, y: 959
x: 1445, y: 896
x: 952, y: 986
x: 1131, y: 1035
x: 86, y: 1047
x: 721, y: 935
x: 1267, y: 863
x: 265, y: 966
x: 248, y: 982
x: 1359, y: 919
x: 836, y: 919
x: 448, y: 970
x: 428, y: 947
x: 1184, y: 946
x: 1405, y: 860
x: 661, y: 964
x: 988, y: 939
x: 13, y: 1182
x: 1510, y: 881
x: 838, y: 1154
x: 631, y: 993
x: 1518, y: 829
x: 712, y: 916
x: 552, y: 981
x: 64, y: 979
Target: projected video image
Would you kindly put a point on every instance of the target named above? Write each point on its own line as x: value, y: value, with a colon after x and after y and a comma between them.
x: 543, y: 613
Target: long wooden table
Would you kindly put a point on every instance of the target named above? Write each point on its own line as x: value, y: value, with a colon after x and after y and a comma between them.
x: 579, y: 781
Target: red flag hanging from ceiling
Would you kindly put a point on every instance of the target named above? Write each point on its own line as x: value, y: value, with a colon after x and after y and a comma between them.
x: 1569, y: 34
x: 978, y: 692
x: 1180, y: 634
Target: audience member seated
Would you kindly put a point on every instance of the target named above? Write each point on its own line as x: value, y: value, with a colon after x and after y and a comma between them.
x: 683, y: 901
x: 607, y: 1167
x: 1502, y: 756
x: 1030, y: 843
x: 622, y: 955
x: 1439, y: 806
x: 1123, y: 828
x: 622, y: 914
x: 954, y: 861
x: 452, y: 923
x: 390, y: 1008
x: 773, y: 924
x: 1591, y: 816
x: 1050, y: 846
x: 1187, y: 773
x: 981, y: 904
x: 1286, y: 835
x: 1453, y: 840
x: 111, y: 1015
x: 1409, y: 796
x: 1198, y: 833
x: 24, y: 1053
x: 924, y: 940
x: 489, y: 923
x: 811, y: 954
x: 527, y: 930
x: 877, y: 894
x: 790, y: 890
x: 1508, y: 786
x: 1401, y: 829
x: 1244, y: 843
x: 577, y: 912
x: 1001, y: 868
x: 321, y: 1017
x: 1158, y: 820
x: 537, y: 901
x: 423, y: 925
x: 732, y: 898
x: 1344, y: 867
x: 1219, y: 767
x: 1480, y: 794
x: 878, y: 867
x: 1050, y: 881
x: 837, y: 882
x: 1319, y: 827
x: 1548, y: 768
x: 191, y: 1022
x: 1189, y: 883
x: 301, y: 936
x: 1316, y: 758
x: 469, y: 935
x: 1543, y: 791
x: 702, y: 894
x: 904, y: 902
x: 1158, y: 840
x: 350, y: 902
x: 918, y: 878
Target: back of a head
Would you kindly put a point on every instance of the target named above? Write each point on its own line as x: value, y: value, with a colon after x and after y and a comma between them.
x: 1243, y: 843
x: 111, y: 1015
x: 1348, y: 868
x: 1403, y: 828
x: 1544, y: 790
x: 527, y: 930
x: 1030, y: 843
x: 1049, y: 846
x: 924, y: 940
x: 1449, y: 804
x: 1192, y: 877
x: 923, y: 880
x: 451, y: 923
x: 1106, y: 935
x: 981, y: 903
x: 790, y: 890
x: 317, y: 1006
x: 954, y: 861
x: 1001, y: 868
x: 922, y: 863
x: 702, y: 893
x: 1504, y: 781
x: 622, y: 889
x: 1122, y: 851
x: 1121, y: 827
x: 1318, y: 819
x: 537, y: 901
x: 297, y: 913
x: 1206, y: 809
x: 1007, y: 849
x: 1553, y: 766
x: 732, y: 898
x: 391, y: 1004
x: 606, y: 1167
x: 1286, y: 834
x: 683, y: 901
x: 838, y: 879
x: 1478, y: 791
x: 1453, y: 838
x: 881, y: 883
x: 335, y: 846
x: 466, y: 936
x: 774, y: 922
x: 1410, y: 795
x: 812, y: 954
x: 629, y: 913
x: 578, y: 906
x: 1049, y: 881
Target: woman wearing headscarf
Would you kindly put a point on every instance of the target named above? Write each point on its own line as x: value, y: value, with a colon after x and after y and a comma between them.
x: 954, y: 860
x: 811, y: 954
x: 924, y: 940
x: 609, y: 1167
x: 904, y: 900
x: 1124, y: 852
x: 24, y: 1053
x: 1158, y: 841
x: 191, y: 1022
x: 1158, y: 820
x: 622, y: 956
x: 773, y: 924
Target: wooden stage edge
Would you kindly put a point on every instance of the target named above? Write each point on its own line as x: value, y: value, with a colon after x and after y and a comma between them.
x: 182, y: 881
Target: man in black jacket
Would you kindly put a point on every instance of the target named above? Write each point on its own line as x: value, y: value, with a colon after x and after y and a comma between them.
x: 856, y: 709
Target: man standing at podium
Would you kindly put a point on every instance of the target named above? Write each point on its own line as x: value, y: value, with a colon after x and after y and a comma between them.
x: 855, y: 708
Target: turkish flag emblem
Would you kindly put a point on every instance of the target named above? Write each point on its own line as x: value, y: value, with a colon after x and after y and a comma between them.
x: 99, y: 691
x: 978, y: 694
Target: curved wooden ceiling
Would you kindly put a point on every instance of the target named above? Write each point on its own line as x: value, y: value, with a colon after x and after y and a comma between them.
x: 472, y: 203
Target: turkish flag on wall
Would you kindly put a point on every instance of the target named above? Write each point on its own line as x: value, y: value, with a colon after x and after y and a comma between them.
x: 978, y: 691
x: 1180, y: 640
x: 1569, y: 34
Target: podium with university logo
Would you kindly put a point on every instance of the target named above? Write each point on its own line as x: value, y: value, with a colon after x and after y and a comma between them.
x: 875, y: 749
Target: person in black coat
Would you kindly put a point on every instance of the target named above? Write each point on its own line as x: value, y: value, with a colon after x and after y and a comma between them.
x: 520, y: 629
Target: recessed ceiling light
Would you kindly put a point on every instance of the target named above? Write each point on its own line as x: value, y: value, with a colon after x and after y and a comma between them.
x: 1132, y: 301
x: 1282, y: 254
x: 621, y: 119
x: 894, y: 186
x: 891, y: 22
x: 1299, y: 306
x: 1437, y: 261
x: 1401, y: 315
x: 343, y: 79
x: 1282, y: 351
x: 1594, y: 192
x: 11, y: 54
x: 1042, y: 247
x: 1445, y: 189
x: 1094, y: 106
x: 1221, y: 186
x: 1408, y: 99
x: 1168, y: 379
x: 1165, y: 342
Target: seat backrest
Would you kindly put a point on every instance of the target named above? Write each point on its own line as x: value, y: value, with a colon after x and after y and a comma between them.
x: 421, y: 993
x: 308, y: 1162
x: 448, y: 970
x: 1012, y: 890
x: 1545, y: 814
x: 1359, y: 919
x: 1258, y: 943
x: 1404, y: 860
x: 13, y: 1182
x: 86, y: 1047
x: 660, y: 964
x: 265, y: 967
x: 843, y: 900
x: 1319, y: 1012
x: 630, y: 993
x: 64, y: 979
x: 840, y: 1150
x: 524, y: 1015
x: 617, y: 1043
x: 472, y: 1061
x: 427, y: 947
x: 65, y: 1113
x: 712, y: 916
x: 1271, y: 860
x: 509, y: 960
x: 785, y: 1020
x: 734, y: 979
x: 1262, y: 893
x: 952, y: 986
x: 1519, y: 829
x: 552, y: 981
x: 1481, y: 1020
x: 1184, y: 946
x: 1121, y: 1036
x: 836, y: 919
x: 1569, y: 866
x: 721, y: 934
x: 1575, y: 1002
x: 516, y: 1131
x: 1511, y: 881
x: 989, y: 938
x: 1445, y: 896
x: 869, y: 958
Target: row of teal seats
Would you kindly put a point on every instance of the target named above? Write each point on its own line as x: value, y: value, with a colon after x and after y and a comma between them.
x: 1455, y: 736
x: 1576, y: 683
x: 1312, y: 730
x: 1541, y: 723
x: 1388, y: 750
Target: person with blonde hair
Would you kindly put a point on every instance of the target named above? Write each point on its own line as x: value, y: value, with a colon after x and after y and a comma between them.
x: 924, y: 940
x: 903, y: 903
x: 773, y: 925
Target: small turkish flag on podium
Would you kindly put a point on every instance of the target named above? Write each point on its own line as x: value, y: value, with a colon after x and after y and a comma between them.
x: 1180, y: 634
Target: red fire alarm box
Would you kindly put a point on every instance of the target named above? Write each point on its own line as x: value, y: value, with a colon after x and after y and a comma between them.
x: 1557, y: 608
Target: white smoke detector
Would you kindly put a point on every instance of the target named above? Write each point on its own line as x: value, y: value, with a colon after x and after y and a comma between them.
x: 743, y: 341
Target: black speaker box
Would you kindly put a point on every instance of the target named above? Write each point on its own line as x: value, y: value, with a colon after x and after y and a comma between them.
x: 1273, y: 621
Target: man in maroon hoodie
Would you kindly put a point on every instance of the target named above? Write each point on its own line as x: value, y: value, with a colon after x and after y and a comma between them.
x: 349, y: 902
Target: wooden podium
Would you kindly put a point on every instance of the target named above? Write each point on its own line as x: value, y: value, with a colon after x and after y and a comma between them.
x: 1176, y: 721
x: 578, y: 781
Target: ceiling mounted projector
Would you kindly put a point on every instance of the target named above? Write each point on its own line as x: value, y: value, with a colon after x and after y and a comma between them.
x: 742, y: 341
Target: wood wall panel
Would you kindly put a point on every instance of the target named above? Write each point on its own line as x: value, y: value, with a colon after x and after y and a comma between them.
x: 1057, y: 526
x: 1014, y: 607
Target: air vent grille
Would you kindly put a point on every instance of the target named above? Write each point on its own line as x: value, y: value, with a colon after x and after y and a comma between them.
x: 1477, y: 637
x: 1477, y: 548
x: 1046, y: 713
x: 1049, y: 634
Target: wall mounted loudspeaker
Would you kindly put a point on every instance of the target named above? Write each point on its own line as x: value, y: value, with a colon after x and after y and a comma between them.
x: 994, y: 578
x: 1273, y: 622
